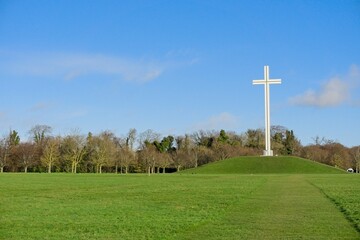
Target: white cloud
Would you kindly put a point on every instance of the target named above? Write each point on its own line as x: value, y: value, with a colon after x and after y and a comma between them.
x: 224, y: 120
x: 70, y: 66
x: 354, y: 73
x: 333, y: 92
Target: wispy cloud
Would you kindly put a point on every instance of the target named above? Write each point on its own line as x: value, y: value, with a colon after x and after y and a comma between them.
x: 2, y: 115
x: 70, y: 66
x: 333, y: 92
x: 224, y: 120
x: 40, y: 106
x: 74, y: 114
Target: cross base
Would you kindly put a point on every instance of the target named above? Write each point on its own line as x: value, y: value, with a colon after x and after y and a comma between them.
x: 268, y: 153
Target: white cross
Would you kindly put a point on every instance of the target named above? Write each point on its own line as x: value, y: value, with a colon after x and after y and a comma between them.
x: 267, y: 81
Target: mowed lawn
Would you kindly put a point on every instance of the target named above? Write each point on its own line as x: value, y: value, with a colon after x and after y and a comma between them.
x: 179, y: 206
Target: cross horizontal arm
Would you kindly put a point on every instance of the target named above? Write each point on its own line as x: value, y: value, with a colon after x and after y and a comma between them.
x: 255, y: 82
x: 270, y: 81
x: 274, y: 81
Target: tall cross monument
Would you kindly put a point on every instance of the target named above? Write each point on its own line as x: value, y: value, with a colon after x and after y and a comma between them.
x: 267, y: 81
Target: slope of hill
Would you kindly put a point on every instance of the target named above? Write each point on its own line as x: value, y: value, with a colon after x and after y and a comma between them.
x: 264, y: 165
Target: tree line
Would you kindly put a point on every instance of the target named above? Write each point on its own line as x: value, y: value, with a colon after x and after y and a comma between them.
x: 149, y: 152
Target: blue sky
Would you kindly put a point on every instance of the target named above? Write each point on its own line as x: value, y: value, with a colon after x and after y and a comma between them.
x: 180, y: 66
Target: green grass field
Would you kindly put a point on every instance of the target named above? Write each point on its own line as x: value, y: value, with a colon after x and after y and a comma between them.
x: 180, y: 206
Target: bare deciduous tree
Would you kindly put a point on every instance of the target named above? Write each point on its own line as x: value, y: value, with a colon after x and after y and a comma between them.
x: 130, y: 138
x: 25, y: 153
x: 51, y: 153
x: 126, y: 157
x: 74, y: 149
x: 355, y: 154
x: 164, y: 161
x: 39, y: 133
x: 149, y: 136
x: 104, y: 150
x: 4, y: 152
x: 147, y: 157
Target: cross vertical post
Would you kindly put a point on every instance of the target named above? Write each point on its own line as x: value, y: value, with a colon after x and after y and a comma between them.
x: 266, y: 82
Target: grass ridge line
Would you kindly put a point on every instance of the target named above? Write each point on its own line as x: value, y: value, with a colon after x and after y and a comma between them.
x: 338, y: 206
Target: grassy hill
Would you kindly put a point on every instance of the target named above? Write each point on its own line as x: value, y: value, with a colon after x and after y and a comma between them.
x: 264, y: 165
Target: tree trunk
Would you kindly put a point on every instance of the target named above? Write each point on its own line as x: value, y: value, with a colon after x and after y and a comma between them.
x: 121, y: 169
x: 164, y: 169
x: 116, y: 168
x: 25, y: 170
x: 49, y: 168
x: 149, y: 169
x: 126, y: 169
x: 2, y: 169
x: 100, y: 169
x: 178, y: 168
x: 75, y: 167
